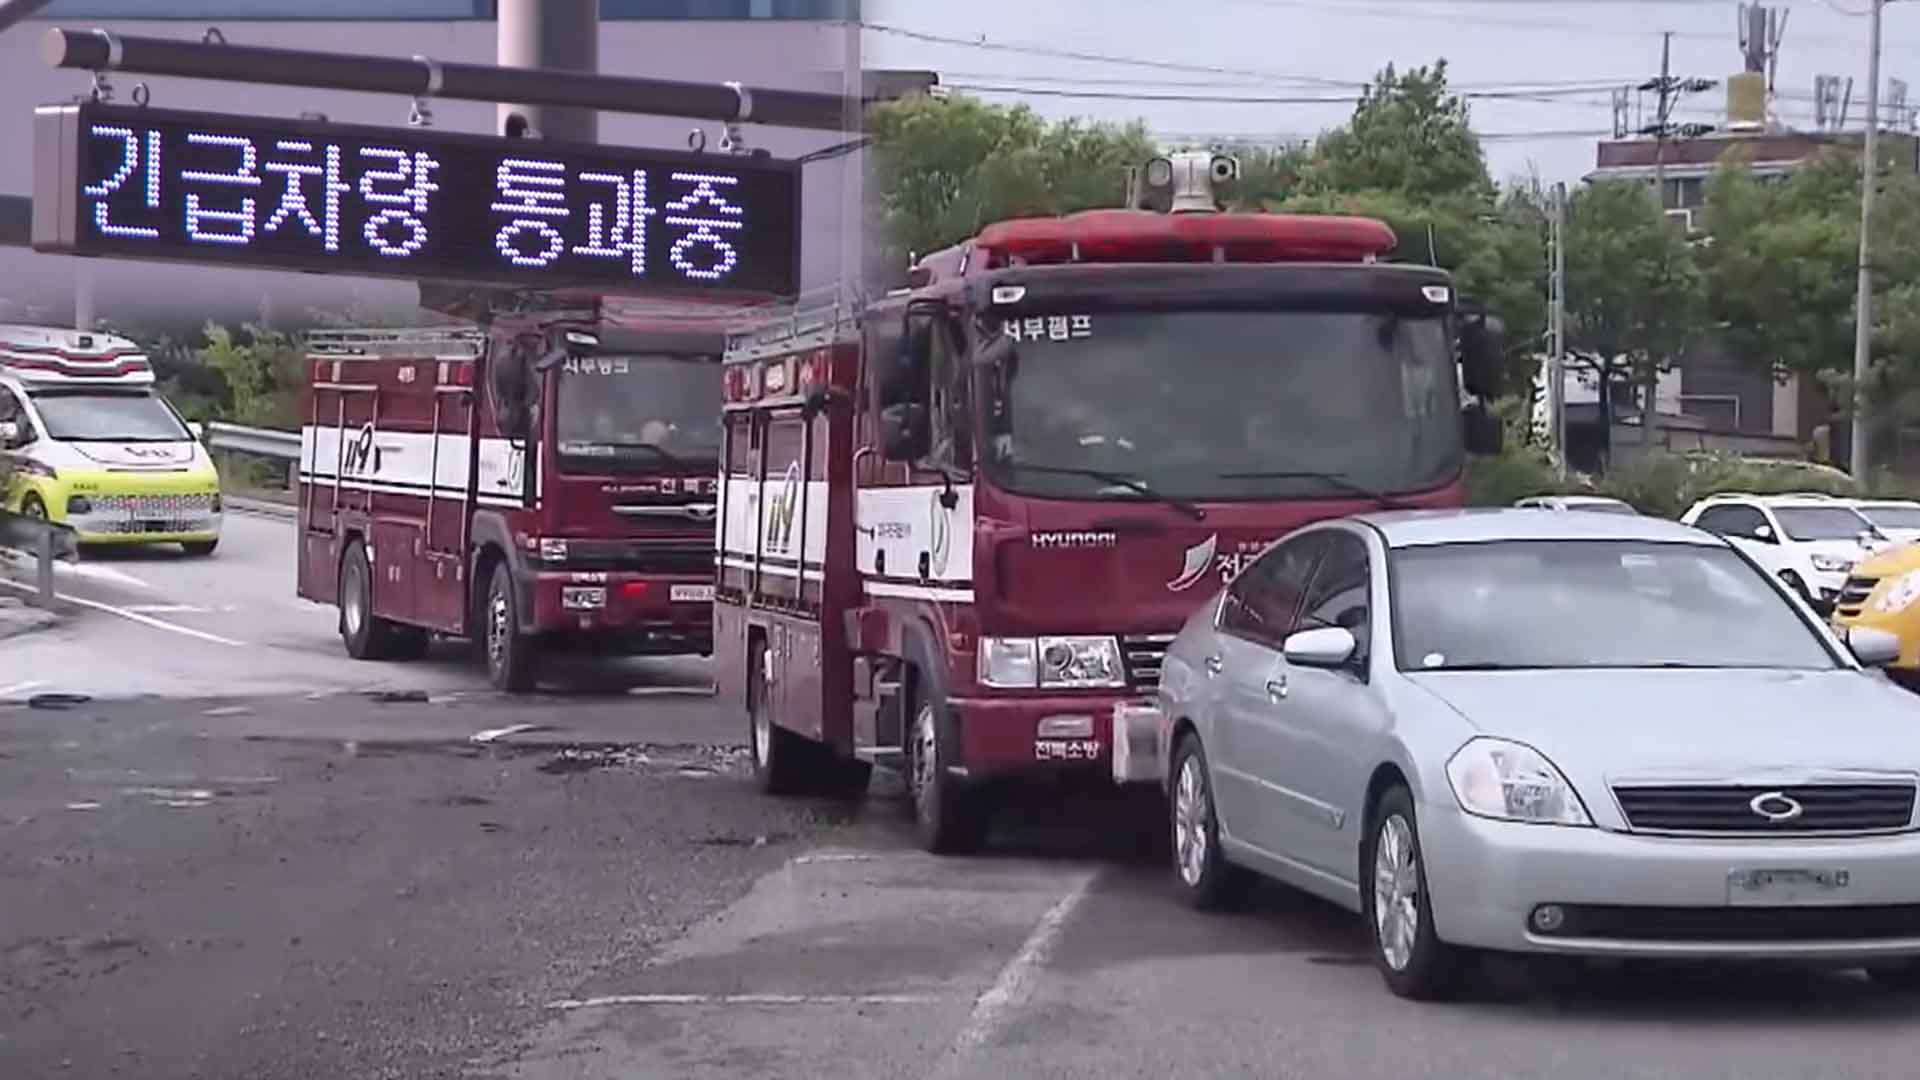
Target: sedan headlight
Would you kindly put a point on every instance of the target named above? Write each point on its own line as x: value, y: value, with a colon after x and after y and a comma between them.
x: 1832, y: 564
x: 1060, y: 661
x: 1899, y: 594
x: 1494, y: 778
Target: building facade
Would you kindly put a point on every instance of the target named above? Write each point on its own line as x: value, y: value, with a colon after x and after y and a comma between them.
x: 787, y: 44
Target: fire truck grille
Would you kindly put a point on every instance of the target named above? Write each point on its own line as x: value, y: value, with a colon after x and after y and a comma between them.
x: 643, y: 556
x: 1144, y: 654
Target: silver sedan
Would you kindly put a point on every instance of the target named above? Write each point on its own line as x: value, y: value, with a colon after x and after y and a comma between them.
x: 1576, y: 734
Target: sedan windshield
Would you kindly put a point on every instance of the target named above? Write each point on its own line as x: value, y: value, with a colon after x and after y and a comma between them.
x: 639, y: 414
x: 1592, y: 604
x: 1821, y: 522
x: 1225, y: 405
x: 108, y: 416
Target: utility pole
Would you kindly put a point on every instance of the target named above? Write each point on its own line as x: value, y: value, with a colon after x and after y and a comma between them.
x: 1557, y: 322
x: 560, y: 35
x: 1670, y: 90
x: 1863, y: 305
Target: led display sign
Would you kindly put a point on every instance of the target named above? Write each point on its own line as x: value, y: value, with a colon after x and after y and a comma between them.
x: 142, y: 183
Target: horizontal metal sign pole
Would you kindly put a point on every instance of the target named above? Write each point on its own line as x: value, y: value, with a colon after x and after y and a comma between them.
x: 420, y: 76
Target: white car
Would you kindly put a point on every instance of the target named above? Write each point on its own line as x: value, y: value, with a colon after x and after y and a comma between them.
x: 1810, y: 542
x: 1591, y: 503
x: 1899, y: 519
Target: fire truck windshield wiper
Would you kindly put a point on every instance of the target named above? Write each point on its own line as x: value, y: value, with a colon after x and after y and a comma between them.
x: 1333, y: 479
x: 1133, y: 483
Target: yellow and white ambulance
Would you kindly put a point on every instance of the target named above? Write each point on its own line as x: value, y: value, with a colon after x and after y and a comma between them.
x: 90, y: 444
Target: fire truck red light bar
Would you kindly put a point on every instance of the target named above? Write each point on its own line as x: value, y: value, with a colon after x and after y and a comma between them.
x: 1144, y: 236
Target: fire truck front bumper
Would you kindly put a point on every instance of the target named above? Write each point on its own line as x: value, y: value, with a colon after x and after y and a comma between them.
x: 1122, y: 736
x: 612, y: 611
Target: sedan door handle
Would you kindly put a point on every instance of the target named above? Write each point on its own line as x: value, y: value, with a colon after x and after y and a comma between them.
x: 1276, y: 688
x: 1215, y: 665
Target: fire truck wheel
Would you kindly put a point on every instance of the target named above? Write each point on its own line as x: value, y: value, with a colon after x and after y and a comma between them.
x: 367, y: 636
x: 779, y: 756
x: 508, y: 651
x: 946, y: 812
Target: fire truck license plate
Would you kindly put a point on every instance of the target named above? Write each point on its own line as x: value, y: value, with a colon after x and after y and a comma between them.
x: 583, y: 596
x: 1066, y: 749
x: 691, y: 594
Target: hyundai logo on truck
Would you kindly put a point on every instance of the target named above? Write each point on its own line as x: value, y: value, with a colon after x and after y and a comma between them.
x: 338, y: 198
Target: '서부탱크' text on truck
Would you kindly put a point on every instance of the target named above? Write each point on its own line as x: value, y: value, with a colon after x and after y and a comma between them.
x: 547, y: 485
x: 958, y: 531
x: 92, y: 445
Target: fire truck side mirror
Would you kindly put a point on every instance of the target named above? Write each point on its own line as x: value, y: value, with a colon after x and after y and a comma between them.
x: 1483, y: 350
x: 907, y: 377
x: 904, y: 432
x: 1485, y: 433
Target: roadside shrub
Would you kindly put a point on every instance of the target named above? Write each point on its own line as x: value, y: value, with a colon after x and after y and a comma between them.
x: 1665, y: 485
x: 1500, y: 479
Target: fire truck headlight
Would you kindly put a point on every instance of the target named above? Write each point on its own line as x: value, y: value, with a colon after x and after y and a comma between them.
x: 1008, y: 663
x: 1081, y: 662
x: 552, y: 550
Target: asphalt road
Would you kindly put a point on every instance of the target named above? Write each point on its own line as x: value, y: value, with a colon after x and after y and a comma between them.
x: 156, y: 621
x: 345, y: 886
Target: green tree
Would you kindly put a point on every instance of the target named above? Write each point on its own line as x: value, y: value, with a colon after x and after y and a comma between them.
x: 944, y: 167
x: 1635, y: 299
x: 261, y: 368
x: 1410, y: 135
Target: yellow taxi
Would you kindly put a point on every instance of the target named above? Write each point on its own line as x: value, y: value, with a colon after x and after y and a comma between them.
x: 1883, y: 592
x: 90, y: 444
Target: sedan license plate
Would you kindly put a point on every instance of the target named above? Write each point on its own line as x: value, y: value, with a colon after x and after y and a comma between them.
x: 577, y: 597
x: 1787, y: 887
x: 691, y: 594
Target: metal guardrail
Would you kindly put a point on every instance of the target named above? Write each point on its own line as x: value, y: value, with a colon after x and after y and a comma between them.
x: 42, y: 541
x: 261, y: 442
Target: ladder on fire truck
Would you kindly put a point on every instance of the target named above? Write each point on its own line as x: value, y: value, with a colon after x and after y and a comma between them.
x: 327, y: 350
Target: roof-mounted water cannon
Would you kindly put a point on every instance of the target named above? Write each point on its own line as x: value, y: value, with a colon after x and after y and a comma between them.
x: 1185, y: 182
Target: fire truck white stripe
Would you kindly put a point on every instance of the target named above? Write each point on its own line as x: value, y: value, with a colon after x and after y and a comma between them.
x: 919, y: 592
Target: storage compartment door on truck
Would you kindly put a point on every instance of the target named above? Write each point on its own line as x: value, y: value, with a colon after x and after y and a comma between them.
x: 443, y: 594
x: 774, y: 546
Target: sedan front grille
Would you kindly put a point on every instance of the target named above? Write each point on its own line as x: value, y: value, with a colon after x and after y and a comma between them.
x: 1763, y: 811
x: 1145, y: 653
x: 1854, y: 593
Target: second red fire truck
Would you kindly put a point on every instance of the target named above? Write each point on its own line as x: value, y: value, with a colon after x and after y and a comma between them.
x: 545, y: 485
x: 959, y: 528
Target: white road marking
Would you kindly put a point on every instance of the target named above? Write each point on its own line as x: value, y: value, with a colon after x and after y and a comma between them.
x: 144, y: 620
x: 101, y: 573
x: 742, y: 999
x: 496, y: 734
x: 21, y: 687
x: 83, y: 806
x: 1011, y: 988
x: 169, y: 609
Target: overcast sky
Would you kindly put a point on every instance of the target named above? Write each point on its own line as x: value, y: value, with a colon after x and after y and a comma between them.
x: 1559, y: 54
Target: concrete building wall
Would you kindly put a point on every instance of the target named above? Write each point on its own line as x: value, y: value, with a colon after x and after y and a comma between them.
x: 770, y: 52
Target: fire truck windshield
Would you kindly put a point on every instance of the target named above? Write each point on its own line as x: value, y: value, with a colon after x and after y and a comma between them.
x: 622, y: 414
x: 1203, y: 405
x: 108, y: 416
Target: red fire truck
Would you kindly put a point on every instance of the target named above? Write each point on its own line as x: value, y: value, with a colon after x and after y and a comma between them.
x: 958, y: 532
x: 544, y: 485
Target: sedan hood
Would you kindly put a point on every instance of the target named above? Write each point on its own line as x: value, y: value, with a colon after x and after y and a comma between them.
x: 1750, y: 726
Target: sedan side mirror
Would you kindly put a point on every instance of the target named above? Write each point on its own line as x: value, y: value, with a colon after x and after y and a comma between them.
x: 1873, y: 648
x: 1323, y: 647
x: 1764, y: 534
